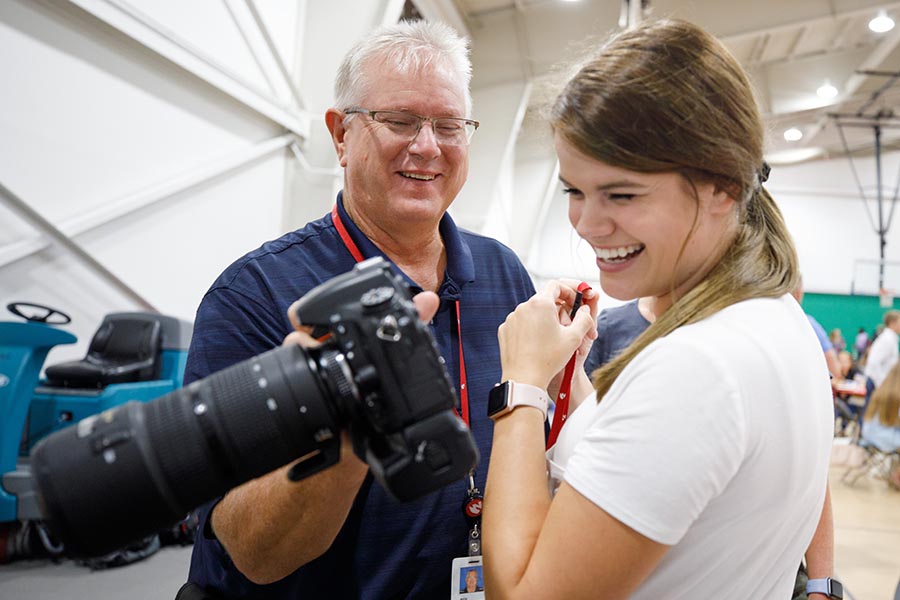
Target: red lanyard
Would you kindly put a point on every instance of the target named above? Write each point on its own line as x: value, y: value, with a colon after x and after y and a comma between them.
x: 565, y: 389
x: 562, y: 403
x: 358, y: 257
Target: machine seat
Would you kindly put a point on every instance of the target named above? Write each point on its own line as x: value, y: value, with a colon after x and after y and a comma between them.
x: 125, y: 348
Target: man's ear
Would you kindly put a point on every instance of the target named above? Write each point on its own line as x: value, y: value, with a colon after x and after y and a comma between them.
x: 334, y: 120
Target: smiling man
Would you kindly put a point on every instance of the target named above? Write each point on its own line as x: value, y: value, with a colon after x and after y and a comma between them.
x: 401, y: 127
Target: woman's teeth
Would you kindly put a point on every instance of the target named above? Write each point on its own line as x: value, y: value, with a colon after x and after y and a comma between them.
x: 619, y: 254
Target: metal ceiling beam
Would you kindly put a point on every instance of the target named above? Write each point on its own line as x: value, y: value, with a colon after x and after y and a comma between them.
x: 150, y: 34
x: 879, y: 54
x: 787, y: 27
x: 118, y: 208
x: 32, y: 217
x: 276, y: 55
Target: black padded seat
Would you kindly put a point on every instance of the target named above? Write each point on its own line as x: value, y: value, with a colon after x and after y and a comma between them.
x: 126, y: 348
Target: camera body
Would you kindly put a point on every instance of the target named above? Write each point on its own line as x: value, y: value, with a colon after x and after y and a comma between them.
x: 132, y: 470
x: 398, y: 402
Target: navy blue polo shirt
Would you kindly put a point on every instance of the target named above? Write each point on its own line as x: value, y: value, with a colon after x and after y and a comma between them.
x: 386, y: 549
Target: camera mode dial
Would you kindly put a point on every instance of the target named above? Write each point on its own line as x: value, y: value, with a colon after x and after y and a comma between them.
x: 376, y: 297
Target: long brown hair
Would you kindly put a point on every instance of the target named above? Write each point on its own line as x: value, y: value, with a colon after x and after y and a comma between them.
x: 885, y: 400
x: 669, y: 97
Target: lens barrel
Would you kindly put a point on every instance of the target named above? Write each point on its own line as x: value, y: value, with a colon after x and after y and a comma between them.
x: 156, y: 461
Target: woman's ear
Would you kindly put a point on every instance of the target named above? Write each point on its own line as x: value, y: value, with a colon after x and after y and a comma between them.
x: 718, y: 199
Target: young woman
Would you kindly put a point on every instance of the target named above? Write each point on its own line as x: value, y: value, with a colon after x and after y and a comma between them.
x: 696, y: 467
x: 881, y: 423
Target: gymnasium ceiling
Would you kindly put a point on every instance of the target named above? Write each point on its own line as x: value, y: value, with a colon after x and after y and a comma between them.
x: 789, y: 47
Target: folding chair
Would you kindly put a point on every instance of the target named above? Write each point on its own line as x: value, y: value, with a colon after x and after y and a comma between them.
x: 876, y: 464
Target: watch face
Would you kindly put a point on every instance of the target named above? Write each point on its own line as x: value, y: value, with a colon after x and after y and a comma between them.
x: 497, y: 398
x: 837, y: 590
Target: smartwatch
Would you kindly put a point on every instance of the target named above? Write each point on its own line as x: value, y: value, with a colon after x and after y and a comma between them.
x: 830, y: 587
x: 506, y: 396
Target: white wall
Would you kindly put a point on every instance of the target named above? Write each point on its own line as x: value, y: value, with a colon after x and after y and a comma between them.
x: 96, y: 131
x: 831, y: 224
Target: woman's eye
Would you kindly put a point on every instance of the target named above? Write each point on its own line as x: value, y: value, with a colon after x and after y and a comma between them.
x: 571, y: 192
x: 621, y: 197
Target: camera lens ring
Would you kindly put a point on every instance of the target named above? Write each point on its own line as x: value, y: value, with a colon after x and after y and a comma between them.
x: 338, y: 372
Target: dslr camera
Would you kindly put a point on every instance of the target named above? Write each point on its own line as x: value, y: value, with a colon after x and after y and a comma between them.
x: 128, y: 472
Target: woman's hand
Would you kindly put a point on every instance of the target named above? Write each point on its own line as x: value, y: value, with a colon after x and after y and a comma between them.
x: 538, y: 338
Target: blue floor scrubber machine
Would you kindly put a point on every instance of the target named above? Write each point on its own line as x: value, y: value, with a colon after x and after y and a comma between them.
x: 132, y: 356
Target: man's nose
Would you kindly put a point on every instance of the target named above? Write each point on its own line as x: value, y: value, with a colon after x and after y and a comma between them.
x: 425, y: 143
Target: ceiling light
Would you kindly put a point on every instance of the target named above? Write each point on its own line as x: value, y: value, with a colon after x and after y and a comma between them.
x: 827, y: 91
x: 881, y: 23
x: 794, y: 155
x: 793, y: 134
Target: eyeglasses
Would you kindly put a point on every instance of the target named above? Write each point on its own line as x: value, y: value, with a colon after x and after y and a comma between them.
x: 450, y: 131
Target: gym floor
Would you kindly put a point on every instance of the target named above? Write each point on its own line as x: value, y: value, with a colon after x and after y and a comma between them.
x: 157, y: 577
x: 867, y: 537
x: 867, y: 557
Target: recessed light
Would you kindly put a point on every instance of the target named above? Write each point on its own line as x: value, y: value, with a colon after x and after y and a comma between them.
x: 794, y: 155
x: 882, y: 23
x: 793, y: 134
x: 826, y: 90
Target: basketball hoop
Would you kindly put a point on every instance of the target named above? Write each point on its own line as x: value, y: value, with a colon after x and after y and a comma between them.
x: 886, y: 298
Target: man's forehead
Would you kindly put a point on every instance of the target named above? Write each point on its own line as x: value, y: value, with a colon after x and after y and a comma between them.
x: 436, y: 70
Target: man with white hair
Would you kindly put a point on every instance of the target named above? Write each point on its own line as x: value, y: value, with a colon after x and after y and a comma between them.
x: 401, y: 126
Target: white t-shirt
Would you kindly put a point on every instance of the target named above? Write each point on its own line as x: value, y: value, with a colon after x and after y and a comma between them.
x: 715, y: 440
x: 883, y: 355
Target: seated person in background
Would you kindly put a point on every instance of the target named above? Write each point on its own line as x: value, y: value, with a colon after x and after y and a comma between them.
x: 837, y: 340
x: 862, y: 342
x: 847, y: 365
x: 881, y: 424
x: 848, y: 368
x: 846, y: 408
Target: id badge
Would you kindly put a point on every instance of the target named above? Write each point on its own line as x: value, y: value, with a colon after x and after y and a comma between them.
x: 467, y: 581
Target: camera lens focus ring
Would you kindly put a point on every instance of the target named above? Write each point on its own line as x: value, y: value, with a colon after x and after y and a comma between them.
x: 339, y: 375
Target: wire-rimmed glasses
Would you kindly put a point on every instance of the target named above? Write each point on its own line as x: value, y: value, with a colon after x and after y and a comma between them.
x: 451, y: 131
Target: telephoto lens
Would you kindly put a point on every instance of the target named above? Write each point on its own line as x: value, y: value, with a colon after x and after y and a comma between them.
x: 132, y: 470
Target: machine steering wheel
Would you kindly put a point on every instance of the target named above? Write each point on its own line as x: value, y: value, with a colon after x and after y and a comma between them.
x: 41, y: 317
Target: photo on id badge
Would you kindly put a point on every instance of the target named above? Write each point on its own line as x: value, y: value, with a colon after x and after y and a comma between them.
x: 468, y: 579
